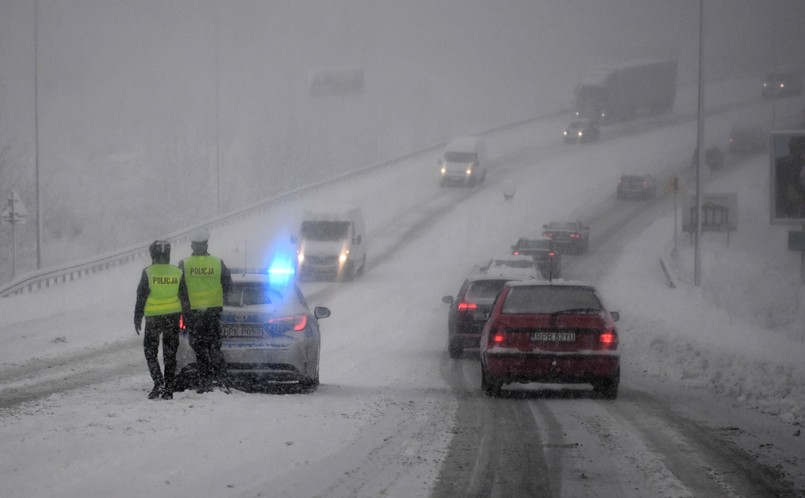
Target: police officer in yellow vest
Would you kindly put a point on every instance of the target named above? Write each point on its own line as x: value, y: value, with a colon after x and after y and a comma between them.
x: 158, y: 300
x: 206, y: 280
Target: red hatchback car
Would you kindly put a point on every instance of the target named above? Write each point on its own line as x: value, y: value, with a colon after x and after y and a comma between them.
x: 550, y: 332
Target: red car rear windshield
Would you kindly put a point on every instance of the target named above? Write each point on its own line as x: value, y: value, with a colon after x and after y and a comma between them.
x: 550, y: 299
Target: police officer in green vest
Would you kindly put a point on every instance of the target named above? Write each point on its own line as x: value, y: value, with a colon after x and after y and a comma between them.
x: 158, y: 300
x: 206, y: 280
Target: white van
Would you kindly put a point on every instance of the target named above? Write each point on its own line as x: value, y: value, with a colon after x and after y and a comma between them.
x: 331, y: 242
x: 463, y: 162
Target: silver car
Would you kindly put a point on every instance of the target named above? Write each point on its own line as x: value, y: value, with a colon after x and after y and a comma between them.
x: 268, y: 334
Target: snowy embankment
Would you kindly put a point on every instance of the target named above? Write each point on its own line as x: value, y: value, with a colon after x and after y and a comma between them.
x: 739, y: 334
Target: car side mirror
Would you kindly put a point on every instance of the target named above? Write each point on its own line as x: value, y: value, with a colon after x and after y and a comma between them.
x: 321, y: 312
x: 447, y: 299
x: 615, y: 315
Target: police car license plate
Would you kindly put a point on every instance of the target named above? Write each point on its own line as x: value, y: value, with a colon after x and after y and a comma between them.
x: 553, y: 337
x: 241, y: 331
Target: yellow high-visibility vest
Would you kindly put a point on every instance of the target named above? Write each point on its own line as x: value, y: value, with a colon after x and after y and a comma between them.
x: 163, y: 283
x: 203, y: 277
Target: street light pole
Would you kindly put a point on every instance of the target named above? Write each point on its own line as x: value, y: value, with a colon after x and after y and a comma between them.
x: 217, y: 111
x: 36, y: 140
x: 697, y: 264
x: 773, y: 82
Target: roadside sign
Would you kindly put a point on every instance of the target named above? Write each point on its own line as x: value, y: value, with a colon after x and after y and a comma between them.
x: 787, y: 185
x: 796, y: 241
x: 14, y: 212
x: 672, y: 185
x: 719, y: 213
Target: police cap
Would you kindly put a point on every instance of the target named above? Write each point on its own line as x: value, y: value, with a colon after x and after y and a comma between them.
x: 200, y: 236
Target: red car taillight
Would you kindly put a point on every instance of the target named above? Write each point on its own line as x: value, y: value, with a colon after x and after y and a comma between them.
x: 516, y: 253
x: 465, y: 306
x: 297, y: 322
x: 497, y: 337
x: 608, y: 339
x: 574, y: 236
x: 551, y: 254
x: 547, y: 234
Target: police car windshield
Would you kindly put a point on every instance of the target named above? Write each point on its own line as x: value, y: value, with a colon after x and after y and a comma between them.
x: 325, y: 230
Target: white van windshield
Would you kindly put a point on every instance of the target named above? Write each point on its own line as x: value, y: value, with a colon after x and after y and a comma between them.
x: 325, y: 230
x: 459, y: 157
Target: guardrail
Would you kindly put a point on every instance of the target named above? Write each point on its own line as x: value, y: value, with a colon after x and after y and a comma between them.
x: 45, y: 278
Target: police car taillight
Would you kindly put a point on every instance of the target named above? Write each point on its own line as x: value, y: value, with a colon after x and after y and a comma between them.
x: 297, y: 322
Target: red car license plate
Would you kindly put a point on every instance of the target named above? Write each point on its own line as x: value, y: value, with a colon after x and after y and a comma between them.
x: 553, y: 337
x: 241, y: 331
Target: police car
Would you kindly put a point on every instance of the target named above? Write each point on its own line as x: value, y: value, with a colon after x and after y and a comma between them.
x: 269, y: 335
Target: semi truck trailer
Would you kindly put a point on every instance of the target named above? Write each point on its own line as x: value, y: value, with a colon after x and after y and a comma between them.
x: 620, y: 92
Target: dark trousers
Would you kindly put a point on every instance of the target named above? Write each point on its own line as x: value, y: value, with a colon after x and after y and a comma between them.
x: 205, y: 339
x: 167, y: 327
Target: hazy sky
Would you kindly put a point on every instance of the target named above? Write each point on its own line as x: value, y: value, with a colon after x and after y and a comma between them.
x: 189, y: 102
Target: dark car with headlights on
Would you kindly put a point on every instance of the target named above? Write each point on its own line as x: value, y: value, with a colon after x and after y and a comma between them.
x: 571, y: 237
x: 550, y: 332
x: 269, y: 335
x: 546, y: 255
x: 470, y: 308
x: 581, y: 131
x: 636, y: 187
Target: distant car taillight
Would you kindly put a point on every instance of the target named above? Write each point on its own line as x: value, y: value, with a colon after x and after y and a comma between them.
x: 516, y: 252
x: 574, y: 235
x: 181, y: 322
x: 465, y: 306
x: 551, y: 254
x: 297, y: 322
x: 547, y: 234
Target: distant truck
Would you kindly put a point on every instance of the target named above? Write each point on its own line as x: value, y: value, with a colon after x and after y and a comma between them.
x: 620, y: 92
x: 331, y: 243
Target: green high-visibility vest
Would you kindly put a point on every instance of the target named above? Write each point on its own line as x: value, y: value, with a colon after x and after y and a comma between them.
x: 163, y: 283
x: 203, y: 277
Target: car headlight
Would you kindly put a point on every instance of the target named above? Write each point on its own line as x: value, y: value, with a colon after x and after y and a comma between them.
x: 343, y: 257
x: 300, y: 257
x: 581, y: 133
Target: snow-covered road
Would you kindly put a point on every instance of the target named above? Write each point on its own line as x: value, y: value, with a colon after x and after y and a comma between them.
x: 394, y: 416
